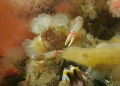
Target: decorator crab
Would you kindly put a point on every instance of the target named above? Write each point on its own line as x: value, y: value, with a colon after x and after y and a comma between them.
x: 52, y: 31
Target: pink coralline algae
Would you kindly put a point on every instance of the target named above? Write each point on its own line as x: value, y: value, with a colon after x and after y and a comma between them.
x: 114, y: 7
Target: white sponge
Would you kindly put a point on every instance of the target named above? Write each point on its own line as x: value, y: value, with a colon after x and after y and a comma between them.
x: 40, y: 24
x: 60, y: 20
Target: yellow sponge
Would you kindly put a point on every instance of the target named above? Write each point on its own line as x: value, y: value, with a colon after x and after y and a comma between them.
x: 104, y: 53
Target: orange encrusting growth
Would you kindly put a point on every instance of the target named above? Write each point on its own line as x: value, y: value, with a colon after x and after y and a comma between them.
x: 13, y: 29
x: 64, y: 8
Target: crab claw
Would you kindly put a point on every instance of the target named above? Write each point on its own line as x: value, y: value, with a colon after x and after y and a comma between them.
x: 70, y: 37
x: 58, y: 52
x: 77, y: 25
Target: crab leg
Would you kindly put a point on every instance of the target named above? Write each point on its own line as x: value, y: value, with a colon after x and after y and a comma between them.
x: 48, y: 55
x: 78, y: 23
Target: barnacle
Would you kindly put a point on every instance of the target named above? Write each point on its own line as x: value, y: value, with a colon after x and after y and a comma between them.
x: 73, y: 76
